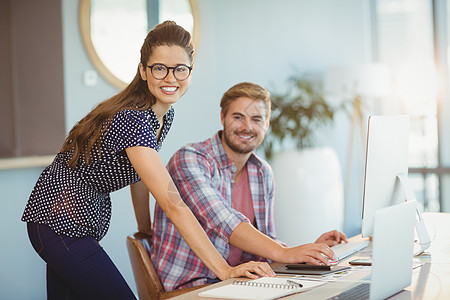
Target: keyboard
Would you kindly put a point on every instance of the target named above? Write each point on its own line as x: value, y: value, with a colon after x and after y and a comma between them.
x: 344, y: 250
x: 359, y: 292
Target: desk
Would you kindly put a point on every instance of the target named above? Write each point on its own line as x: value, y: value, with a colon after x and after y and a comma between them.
x: 430, y: 281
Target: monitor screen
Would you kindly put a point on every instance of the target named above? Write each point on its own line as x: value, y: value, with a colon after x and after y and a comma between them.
x: 386, y: 156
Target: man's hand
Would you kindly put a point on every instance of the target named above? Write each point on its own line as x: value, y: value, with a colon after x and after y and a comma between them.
x: 332, y: 238
x: 313, y: 253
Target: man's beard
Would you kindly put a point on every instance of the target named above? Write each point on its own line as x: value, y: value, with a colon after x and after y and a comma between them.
x: 241, y: 148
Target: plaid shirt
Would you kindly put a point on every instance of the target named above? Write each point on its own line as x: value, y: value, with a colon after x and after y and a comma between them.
x: 204, y: 176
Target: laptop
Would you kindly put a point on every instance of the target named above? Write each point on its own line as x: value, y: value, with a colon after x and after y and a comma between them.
x: 392, y: 253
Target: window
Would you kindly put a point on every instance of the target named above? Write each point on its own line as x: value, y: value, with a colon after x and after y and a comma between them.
x: 407, y: 38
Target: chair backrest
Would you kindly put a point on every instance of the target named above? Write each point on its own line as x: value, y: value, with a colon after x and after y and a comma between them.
x: 147, y: 281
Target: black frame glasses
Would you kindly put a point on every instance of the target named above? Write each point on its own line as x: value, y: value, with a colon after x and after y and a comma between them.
x: 175, y: 70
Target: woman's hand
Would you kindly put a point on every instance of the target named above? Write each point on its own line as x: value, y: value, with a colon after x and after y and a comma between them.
x: 252, y: 270
x: 332, y: 238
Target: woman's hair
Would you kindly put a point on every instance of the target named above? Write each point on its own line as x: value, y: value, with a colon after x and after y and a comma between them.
x: 249, y: 90
x: 88, y: 131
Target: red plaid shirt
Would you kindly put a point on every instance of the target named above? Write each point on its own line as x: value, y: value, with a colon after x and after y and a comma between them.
x: 204, y: 176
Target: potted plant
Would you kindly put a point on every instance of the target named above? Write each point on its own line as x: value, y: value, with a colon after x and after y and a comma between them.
x: 309, y: 195
x: 297, y: 114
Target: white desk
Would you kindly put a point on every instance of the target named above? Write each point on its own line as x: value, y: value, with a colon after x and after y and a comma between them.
x: 431, y: 281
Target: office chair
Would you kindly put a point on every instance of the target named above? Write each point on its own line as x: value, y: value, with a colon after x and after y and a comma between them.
x: 148, y: 284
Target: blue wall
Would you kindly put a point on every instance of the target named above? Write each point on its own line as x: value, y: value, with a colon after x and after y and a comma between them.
x: 262, y: 41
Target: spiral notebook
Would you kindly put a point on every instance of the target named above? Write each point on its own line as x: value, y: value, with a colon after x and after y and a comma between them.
x: 264, y: 288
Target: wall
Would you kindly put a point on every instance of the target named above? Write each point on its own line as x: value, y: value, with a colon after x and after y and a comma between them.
x: 254, y: 40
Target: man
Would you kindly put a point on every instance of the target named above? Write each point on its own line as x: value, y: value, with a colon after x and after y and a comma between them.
x: 231, y: 191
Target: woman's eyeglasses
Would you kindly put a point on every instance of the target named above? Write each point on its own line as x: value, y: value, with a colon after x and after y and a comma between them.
x: 160, y: 71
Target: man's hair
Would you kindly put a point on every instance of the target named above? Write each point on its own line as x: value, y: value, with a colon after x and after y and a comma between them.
x: 249, y: 90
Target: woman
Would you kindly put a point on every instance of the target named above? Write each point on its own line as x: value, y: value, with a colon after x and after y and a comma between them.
x: 116, y: 145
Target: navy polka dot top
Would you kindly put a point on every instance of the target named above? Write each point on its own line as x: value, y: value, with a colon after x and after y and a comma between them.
x: 76, y: 202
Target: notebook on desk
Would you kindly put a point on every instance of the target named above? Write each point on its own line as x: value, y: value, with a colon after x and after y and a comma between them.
x: 392, y: 253
x: 264, y: 288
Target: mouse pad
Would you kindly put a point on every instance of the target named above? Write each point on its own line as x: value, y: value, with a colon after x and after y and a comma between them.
x: 281, y: 268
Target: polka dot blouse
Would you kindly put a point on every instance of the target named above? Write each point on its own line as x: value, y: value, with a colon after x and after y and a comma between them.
x: 76, y: 202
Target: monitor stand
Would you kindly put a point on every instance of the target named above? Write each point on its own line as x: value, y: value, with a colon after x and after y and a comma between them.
x: 422, y: 233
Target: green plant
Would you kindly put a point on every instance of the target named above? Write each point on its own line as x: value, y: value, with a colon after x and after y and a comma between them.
x: 297, y: 114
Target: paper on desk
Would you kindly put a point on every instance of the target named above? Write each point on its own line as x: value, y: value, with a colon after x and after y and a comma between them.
x: 332, y: 276
x: 265, y: 289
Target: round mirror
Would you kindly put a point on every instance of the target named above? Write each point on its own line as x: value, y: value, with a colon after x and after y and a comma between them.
x: 113, y: 31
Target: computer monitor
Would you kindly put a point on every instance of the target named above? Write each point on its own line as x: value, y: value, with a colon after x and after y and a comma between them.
x: 386, y: 171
